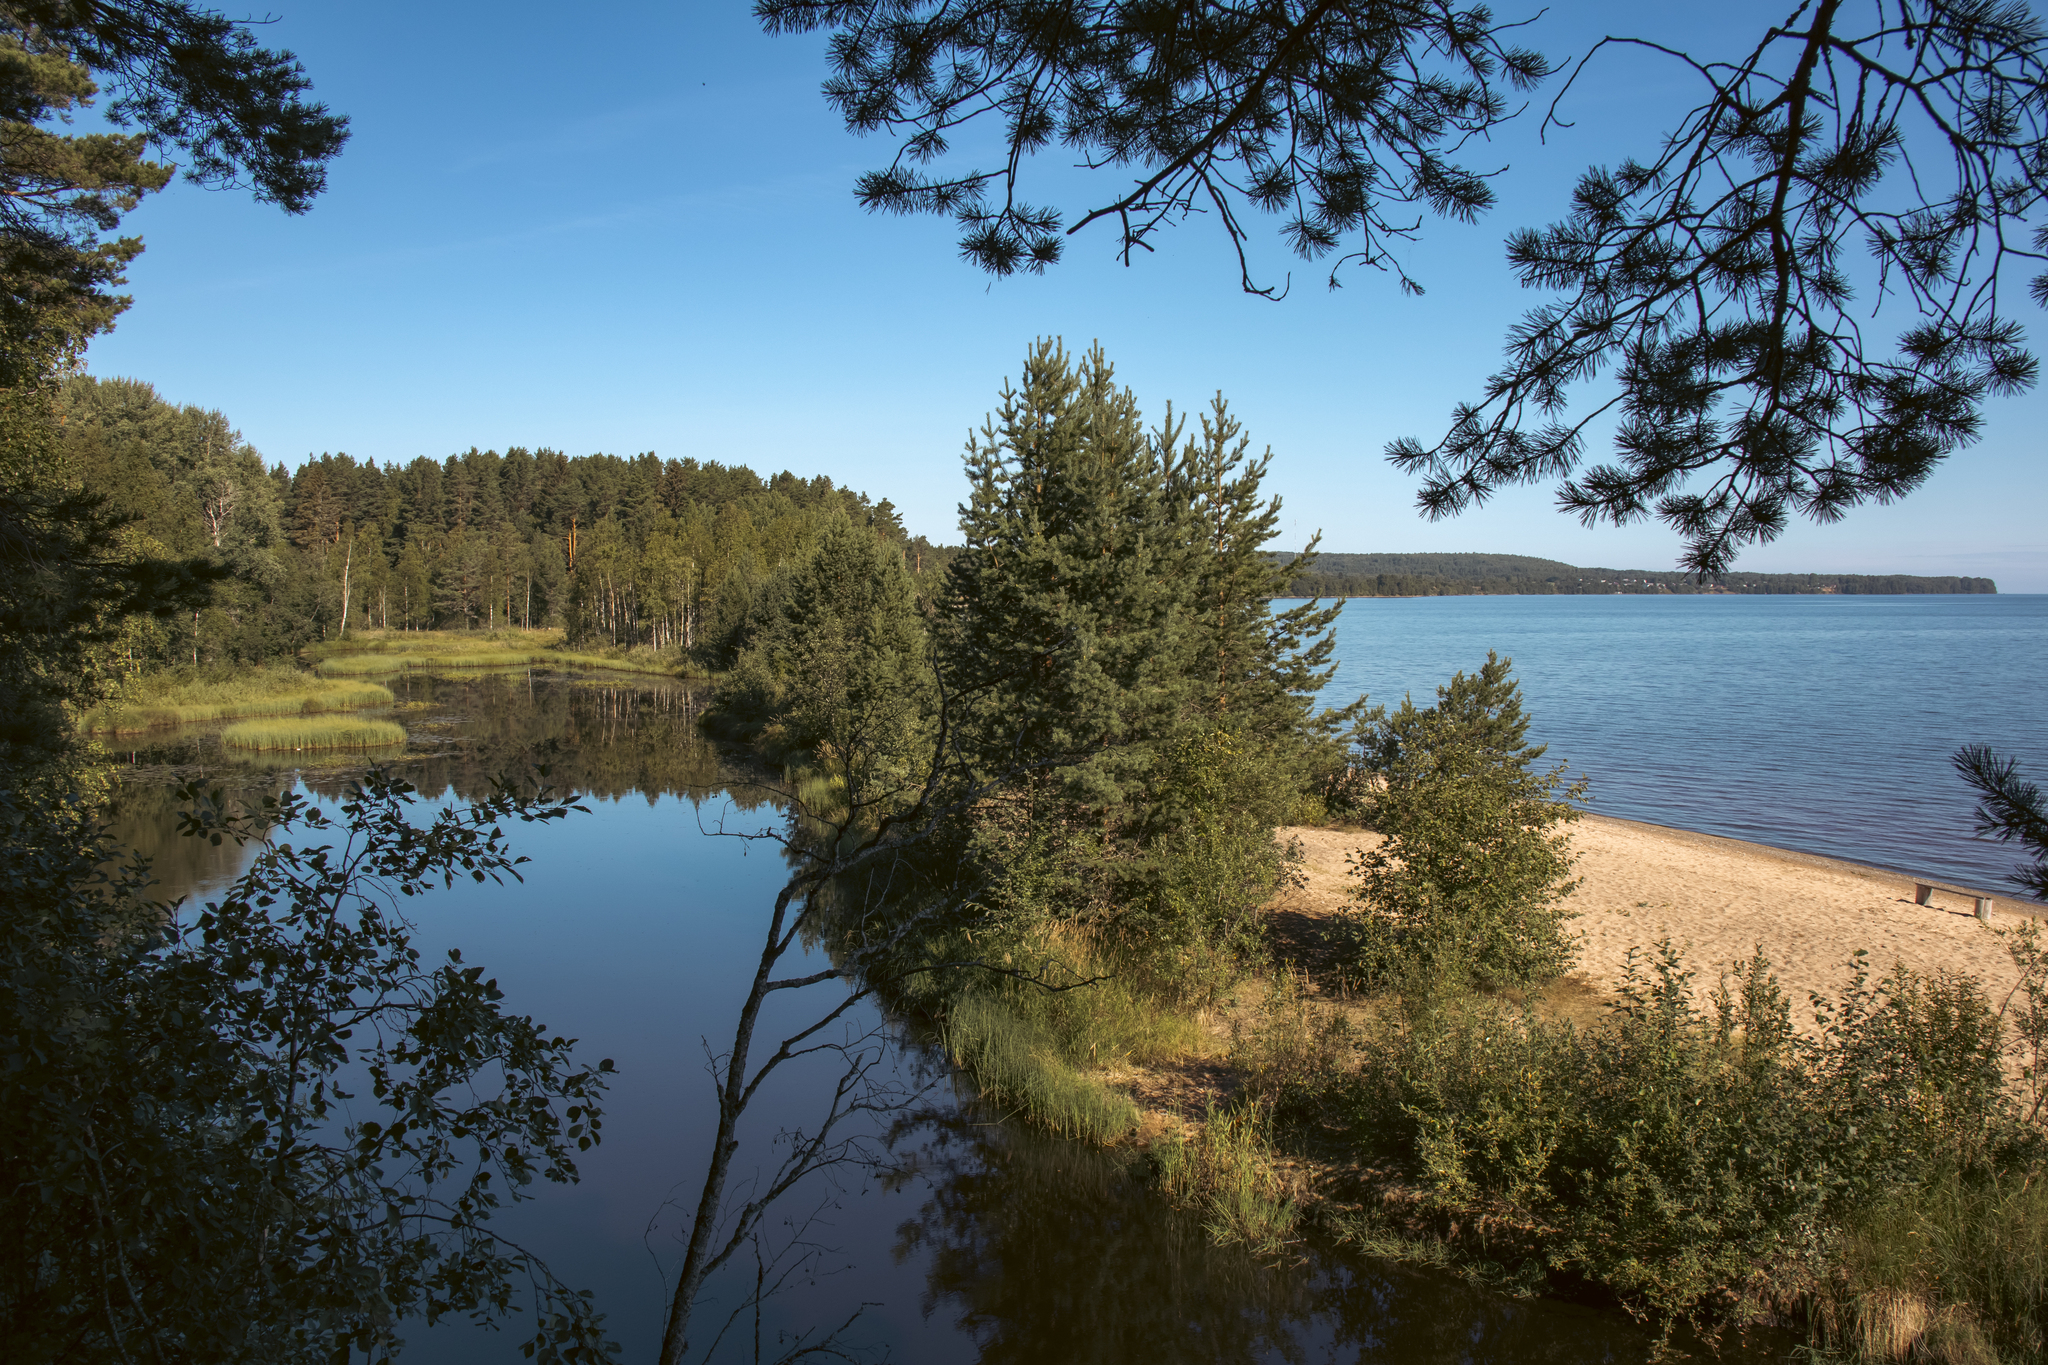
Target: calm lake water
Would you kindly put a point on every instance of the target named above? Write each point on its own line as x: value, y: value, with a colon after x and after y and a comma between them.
x: 978, y: 1240
x: 1818, y: 723
x: 1814, y: 723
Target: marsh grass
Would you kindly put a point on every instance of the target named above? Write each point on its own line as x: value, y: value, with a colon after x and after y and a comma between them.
x: 187, y: 696
x: 1227, y: 1171
x: 1952, y: 1269
x: 1019, y: 1062
x: 445, y: 650
x: 313, y: 732
x: 367, y: 665
x: 1039, y: 1045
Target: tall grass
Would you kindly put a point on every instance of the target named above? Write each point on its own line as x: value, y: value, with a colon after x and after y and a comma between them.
x: 1226, y: 1169
x: 1037, y: 1045
x: 1019, y: 1062
x: 314, y: 732
x: 363, y: 665
x: 446, y: 650
x: 187, y: 696
x: 1952, y: 1269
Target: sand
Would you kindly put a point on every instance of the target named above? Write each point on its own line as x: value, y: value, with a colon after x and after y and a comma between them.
x: 1717, y: 898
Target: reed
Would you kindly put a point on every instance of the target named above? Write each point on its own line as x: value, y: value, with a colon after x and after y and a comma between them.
x: 1018, y: 1062
x: 1226, y: 1170
x: 362, y: 665
x: 313, y: 732
x: 1041, y: 1050
x: 401, y: 661
x: 186, y: 697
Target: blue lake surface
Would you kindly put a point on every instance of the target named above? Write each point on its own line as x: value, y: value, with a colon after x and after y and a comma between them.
x: 1816, y: 723
x: 974, y: 1239
x: 1819, y: 723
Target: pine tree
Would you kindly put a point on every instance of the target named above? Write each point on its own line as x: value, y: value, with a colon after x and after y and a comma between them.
x: 1068, y: 653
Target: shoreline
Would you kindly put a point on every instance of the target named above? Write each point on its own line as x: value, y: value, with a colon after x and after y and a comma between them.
x: 2006, y: 901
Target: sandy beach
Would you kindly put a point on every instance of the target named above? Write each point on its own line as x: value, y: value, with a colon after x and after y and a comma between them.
x: 1718, y: 898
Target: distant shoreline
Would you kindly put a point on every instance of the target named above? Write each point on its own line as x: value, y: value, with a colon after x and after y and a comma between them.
x: 1293, y: 596
x: 1491, y: 575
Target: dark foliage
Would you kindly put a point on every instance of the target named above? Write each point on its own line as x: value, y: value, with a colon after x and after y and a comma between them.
x: 265, y: 1129
x: 1336, y: 116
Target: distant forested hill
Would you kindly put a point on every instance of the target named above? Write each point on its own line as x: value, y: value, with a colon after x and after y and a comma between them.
x: 1454, y: 575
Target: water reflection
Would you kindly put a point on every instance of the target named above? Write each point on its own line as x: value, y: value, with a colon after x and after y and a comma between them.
x: 602, y: 739
x: 1045, y: 1251
x: 636, y: 934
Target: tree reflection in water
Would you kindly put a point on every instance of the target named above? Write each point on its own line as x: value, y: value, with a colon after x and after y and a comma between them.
x: 601, y: 738
x: 1027, y: 1250
x: 1045, y: 1251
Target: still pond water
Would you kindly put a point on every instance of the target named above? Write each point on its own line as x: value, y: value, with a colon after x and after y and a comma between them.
x: 638, y: 924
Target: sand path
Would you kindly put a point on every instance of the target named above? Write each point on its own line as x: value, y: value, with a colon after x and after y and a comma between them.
x: 1719, y: 898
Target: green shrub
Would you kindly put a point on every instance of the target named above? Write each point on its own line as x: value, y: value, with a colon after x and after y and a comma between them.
x: 1188, y: 937
x: 1689, y: 1160
x: 1469, y: 884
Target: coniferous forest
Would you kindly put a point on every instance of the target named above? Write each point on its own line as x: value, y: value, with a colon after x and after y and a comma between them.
x: 633, y: 551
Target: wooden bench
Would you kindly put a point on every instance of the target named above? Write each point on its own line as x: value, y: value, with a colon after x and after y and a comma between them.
x: 1923, y: 894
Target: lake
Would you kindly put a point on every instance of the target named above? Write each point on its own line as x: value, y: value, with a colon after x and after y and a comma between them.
x: 1821, y: 723
x: 1809, y: 722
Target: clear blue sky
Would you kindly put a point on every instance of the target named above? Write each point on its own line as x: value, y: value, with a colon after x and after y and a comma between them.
x: 633, y: 229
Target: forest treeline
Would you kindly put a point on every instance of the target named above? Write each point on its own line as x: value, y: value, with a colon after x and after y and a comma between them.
x: 624, y: 551
x: 1462, y: 575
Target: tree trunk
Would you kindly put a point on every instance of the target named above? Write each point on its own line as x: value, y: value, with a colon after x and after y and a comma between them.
x: 675, y: 1340
x: 348, y: 562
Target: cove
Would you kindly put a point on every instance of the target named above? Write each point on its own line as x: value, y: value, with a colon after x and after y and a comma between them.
x: 976, y: 1239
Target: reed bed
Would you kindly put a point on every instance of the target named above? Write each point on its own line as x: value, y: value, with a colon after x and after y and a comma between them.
x: 175, y: 699
x: 313, y: 732
x: 370, y: 665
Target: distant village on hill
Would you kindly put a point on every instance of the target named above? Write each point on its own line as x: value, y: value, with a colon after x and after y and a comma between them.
x: 1460, y: 575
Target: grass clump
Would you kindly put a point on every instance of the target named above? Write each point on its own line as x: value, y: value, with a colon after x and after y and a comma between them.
x: 1039, y: 1044
x: 314, y: 732
x: 1019, y: 1061
x: 1226, y: 1169
x: 185, y: 696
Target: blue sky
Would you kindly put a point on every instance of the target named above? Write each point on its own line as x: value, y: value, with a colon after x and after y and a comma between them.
x: 640, y: 234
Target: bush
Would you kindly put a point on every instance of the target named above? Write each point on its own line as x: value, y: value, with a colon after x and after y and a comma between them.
x: 1697, y: 1163
x: 1470, y: 882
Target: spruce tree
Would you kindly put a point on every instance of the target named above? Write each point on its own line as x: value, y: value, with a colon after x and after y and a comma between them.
x: 1067, y: 656
x: 1255, y: 672
x: 1065, y: 653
